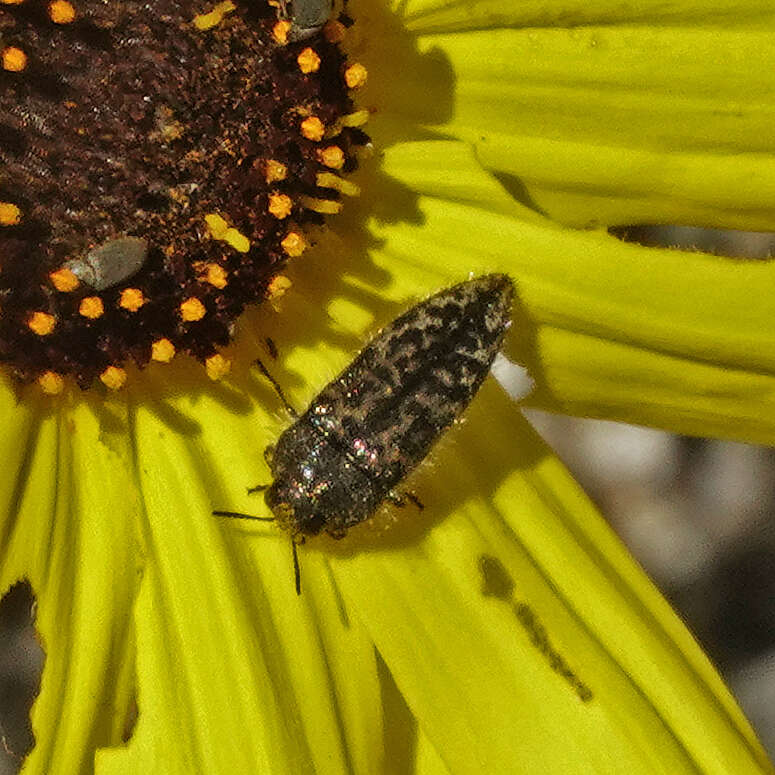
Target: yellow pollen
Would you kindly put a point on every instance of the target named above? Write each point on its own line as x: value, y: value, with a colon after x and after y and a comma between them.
x: 331, y: 156
x: 14, y: 59
x: 217, y: 225
x: 169, y: 132
x: 334, y: 31
x: 280, y: 205
x: 309, y: 61
x: 324, y: 206
x: 114, y: 378
x: 278, y: 286
x: 275, y: 171
x: 215, y: 275
x: 64, y: 280
x: 206, y: 21
x: 217, y: 366
x: 131, y: 299
x: 312, y: 128
x: 359, y: 118
x: 192, y: 309
x: 329, y: 180
x: 220, y: 230
x: 10, y: 214
x: 237, y: 240
x: 41, y: 323
x: 51, y: 383
x: 162, y: 350
x: 11, y: 2
x: 294, y: 244
x: 61, y: 12
x: 355, y: 76
x: 91, y: 307
x: 280, y: 31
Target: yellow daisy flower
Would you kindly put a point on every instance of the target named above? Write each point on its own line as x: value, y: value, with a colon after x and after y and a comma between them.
x: 163, y: 169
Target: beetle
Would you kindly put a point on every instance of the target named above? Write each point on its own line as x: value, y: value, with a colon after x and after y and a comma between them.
x: 376, y: 422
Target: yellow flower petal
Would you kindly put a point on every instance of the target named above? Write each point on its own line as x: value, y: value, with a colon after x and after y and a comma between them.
x: 679, y: 340
x: 298, y: 674
x: 614, y: 117
x: 537, y: 601
x: 67, y: 509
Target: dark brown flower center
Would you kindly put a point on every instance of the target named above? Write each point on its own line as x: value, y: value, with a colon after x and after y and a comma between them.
x: 158, y: 165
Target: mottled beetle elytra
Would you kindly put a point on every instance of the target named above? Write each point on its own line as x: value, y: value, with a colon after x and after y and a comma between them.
x: 376, y: 422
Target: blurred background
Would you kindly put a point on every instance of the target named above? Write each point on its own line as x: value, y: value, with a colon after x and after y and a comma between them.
x: 698, y: 515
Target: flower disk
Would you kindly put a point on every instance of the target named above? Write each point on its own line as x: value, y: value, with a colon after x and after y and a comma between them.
x: 156, y: 172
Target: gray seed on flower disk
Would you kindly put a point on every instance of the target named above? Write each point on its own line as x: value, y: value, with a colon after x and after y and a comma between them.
x: 110, y: 263
x: 308, y: 17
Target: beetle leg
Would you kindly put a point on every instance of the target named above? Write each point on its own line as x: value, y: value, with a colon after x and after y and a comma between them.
x: 296, y: 570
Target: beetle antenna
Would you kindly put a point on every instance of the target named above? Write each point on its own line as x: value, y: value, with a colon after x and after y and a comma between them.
x: 277, y: 389
x: 240, y: 515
